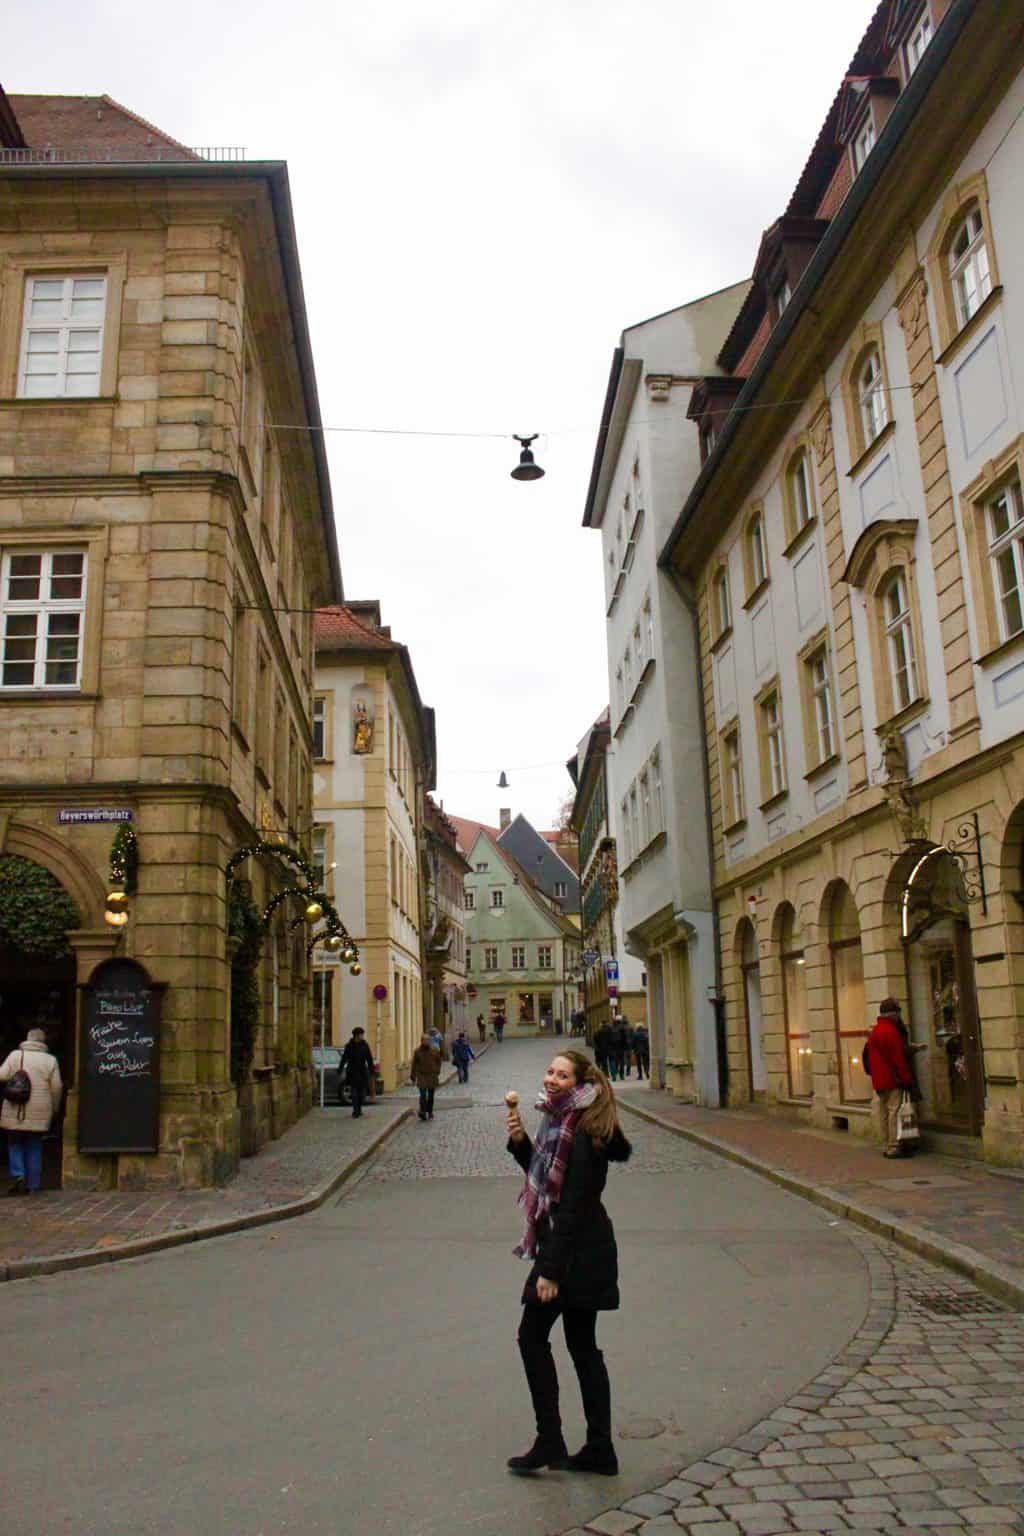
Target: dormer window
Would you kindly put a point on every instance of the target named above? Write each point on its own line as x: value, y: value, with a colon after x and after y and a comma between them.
x: 782, y: 296
x: 917, y: 42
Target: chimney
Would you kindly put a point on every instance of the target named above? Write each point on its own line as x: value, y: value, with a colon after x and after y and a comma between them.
x: 504, y: 818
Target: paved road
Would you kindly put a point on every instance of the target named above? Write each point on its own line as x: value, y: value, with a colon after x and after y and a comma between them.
x: 358, y: 1366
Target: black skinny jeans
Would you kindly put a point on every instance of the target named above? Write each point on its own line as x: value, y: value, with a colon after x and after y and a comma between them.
x: 581, y: 1341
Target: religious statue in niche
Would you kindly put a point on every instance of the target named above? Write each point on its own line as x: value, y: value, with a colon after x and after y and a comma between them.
x: 362, y: 729
x: 898, y: 791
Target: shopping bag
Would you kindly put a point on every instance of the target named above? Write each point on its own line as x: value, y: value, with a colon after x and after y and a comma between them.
x: 906, y: 1121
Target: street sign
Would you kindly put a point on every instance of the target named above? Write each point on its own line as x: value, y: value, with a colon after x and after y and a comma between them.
x: 590, y: 957
x: 611, y: 970
x: 380, y: 992
x: 613, y: 990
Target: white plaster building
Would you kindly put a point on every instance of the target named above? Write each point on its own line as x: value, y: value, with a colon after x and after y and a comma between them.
x: 645, y: 460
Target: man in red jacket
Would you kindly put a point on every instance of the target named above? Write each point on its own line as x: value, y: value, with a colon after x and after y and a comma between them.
x: 888, y: 1062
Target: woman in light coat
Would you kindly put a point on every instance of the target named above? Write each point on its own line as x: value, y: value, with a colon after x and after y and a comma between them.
x: 26, y: 1124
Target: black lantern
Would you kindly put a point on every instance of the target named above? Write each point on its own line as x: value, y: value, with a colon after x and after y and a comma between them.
x: 526, y: 469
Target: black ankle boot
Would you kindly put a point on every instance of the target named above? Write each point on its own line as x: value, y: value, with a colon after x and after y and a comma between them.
x: 543, y: 1453
x: 594, y: 1458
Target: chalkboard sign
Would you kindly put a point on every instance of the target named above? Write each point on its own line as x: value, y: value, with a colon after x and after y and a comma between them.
x: 119, y: 1077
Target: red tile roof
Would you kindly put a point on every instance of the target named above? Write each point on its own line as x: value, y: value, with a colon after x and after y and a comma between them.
x: 97, y: 124
x: 468, y: 831
x: 338, y: 629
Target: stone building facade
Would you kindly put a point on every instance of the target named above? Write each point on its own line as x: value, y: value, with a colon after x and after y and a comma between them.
x: 375, y: 762
x: 858, y: 564
x: 161, y: 546
x: 444, y: 932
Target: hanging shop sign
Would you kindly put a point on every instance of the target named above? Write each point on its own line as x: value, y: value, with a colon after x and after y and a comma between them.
x: 74, y: 818
x: 119, y: 1108
x: 611, y: 970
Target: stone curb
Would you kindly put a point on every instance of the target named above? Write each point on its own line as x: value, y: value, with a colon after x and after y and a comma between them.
x: 987, y: 1274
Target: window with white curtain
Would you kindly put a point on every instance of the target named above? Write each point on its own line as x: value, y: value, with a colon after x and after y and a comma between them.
x: 62, y: 337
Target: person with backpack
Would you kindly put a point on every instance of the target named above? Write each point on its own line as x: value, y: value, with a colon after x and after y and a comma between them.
x: 462, y: 1055
x: 32, y: 1091
x: 887, y: 1060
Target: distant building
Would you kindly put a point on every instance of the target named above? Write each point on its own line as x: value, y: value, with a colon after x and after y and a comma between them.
x: 593, y: 822
x: 444, y: 932
x: 374, y: 762
x: 548, y: 857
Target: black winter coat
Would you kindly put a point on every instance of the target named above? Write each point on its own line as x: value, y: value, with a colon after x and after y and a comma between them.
x: 576, y: 1240
x: 356, y: 1064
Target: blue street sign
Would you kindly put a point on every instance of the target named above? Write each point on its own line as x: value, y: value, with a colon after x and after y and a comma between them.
x: 611, y: 970
x: 590, y: 957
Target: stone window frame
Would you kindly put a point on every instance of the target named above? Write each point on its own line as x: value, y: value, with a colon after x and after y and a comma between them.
x: 956, y: 204
x: 754, y: 582
x: 15, y: 271
x: 865, y: 339
x: 94, y: 541
x: 328, y: 829
x: 733, y: 795
x: 718, y: 582
x: 818, y: 646
x: 797, y: 447
x: 327, y: 695
x: 492, y: 958
x: 884, y: 550
x: 974, y: 503
x: 770, y: 793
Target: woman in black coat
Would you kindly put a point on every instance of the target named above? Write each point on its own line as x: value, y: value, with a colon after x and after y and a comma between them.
x: 571, y: 1241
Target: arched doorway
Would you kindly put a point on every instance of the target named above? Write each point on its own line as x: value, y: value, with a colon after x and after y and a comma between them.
x: 848, y: 1002
x: 750, y: 969
x: 799, y: 1052
x: 943, y: 1010
x: 37, y: 978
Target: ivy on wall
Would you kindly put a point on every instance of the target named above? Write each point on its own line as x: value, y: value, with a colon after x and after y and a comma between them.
x: 35, y: 909
x: 245, y: 924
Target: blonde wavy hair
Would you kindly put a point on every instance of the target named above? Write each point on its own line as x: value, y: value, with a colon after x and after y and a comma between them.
x: 599, y: 1120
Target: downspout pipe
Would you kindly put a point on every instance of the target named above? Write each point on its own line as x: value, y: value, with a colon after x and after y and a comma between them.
x: 689, y: 602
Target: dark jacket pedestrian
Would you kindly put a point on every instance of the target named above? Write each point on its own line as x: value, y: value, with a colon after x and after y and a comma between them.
x: 426, y: 1074
x: 356, y: 1069
x: 27, y: 1123
x: 462, y: 1055
x: 481, y: 1028
x: 499, y: 1027
x: 642, y: 1051
x: 888, y: 1064
x: 570, y: 1239
x: 603, y: 1045
x: 617, y: 1049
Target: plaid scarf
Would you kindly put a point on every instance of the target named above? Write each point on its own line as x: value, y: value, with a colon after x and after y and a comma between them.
x: 550, y: 1159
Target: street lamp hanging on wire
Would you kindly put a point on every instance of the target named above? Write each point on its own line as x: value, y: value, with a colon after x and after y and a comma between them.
x: 526, y: 469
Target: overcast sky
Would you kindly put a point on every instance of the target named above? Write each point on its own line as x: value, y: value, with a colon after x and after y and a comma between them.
x: 486, y: 193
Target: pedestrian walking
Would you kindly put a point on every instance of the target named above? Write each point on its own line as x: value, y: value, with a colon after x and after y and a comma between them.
x: 888, y: 1062
x: 570, y: 1239
x: 627, y: 1055
x: 356, y: 1069
x: 617, y: 1048
x: 642, y: 1051
x: 436, y: 1040
x: 32, y: 1092
x: 462, y: 1055
x: 481, y: 1028
x: 499, y: 1027
x: 603, y: 1046
x: 426, y: 1074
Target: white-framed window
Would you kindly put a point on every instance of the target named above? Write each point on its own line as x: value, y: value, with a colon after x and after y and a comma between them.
x: 497, y: 896
x: 900, y: 639
x: 917, y: 42
x: 561, y: 890
x: 490, y: 957
x: 469, y: 900
x: 43, y: 613
x: 638, y: 649
x: 627, y: 672
x: 723, y: 605
x: 62, y: 336
x: 318, y: 856
x: 634, y: 818
x: 800, y: 489
x: 733, y: 785
x: 647, y: 620
x: 821, y: 695
x: 627, y: 842
x: 874, y: 412
x: 758, y: 555
x: 771, y: 724
x: 863, y: 143
x: 620, y: 691
x: 482, y: 869
x: 970, y: 274
x: 519, y: 957
x: 644, y: 796
x: 544, y: 960
x: 319, y: 726
x: 657, y: 796
x: 1005, y: 512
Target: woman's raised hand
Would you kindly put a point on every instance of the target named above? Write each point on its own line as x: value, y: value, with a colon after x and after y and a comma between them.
x: 516, y: 1129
